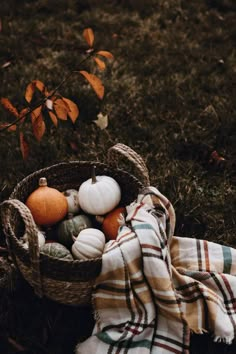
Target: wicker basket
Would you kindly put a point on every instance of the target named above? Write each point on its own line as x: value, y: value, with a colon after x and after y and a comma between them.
x: 67, y: 282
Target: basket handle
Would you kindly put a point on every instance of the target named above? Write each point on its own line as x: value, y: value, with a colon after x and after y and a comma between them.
x: 120, y: 150
x: 32, y: 234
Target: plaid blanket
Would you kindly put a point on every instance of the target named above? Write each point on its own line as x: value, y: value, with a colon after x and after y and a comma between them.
x: 155, y: 288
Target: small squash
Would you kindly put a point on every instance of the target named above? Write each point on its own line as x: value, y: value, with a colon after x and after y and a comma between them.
x: 47, y: 205
x: 55, y: 249
x: 99, y: 194
x: 112, y: 221
x: 72, y: 200
x: 89, y: 244
x: 71, y: 227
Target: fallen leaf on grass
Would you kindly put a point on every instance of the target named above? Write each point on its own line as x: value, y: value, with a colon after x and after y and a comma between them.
x: 6, y: 64
x: 102, y: 121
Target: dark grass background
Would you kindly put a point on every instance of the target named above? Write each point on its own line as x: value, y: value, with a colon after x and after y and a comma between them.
x: 169, y: 94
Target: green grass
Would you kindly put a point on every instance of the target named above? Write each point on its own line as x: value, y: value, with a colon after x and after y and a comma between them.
x: 169, y: 95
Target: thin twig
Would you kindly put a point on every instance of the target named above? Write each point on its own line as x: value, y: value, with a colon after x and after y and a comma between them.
x: 30, y: 110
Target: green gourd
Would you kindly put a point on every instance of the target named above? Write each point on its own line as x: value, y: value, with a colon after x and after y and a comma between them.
x: 71, y: 227
x: 55, y: 249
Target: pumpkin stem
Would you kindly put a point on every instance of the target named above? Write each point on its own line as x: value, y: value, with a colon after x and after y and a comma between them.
x: 94, y: 179
x: 99, y: 218
x: 43, y: 182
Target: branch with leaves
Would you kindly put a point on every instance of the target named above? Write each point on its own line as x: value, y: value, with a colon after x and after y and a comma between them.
x: 51, y: 103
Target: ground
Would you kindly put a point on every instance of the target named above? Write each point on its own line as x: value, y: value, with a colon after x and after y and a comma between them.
x: 169, y: 95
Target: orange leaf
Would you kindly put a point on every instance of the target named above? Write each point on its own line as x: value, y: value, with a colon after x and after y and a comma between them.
x: 53, y: 118
x: 73, y: 111
x: 40, y: 85
x: 12, y: 128
x: 23, y: 114
x: 95, y: 82
x: 101, y: 65
x: 24, y: 146
x: 89, y: 36
x: 30, y: 89
x: 61, y: 109
x: 105, y: 54
x: 29, y: 92
x: 8, y: 105
x: 36, y: 113
x: 39, y: 127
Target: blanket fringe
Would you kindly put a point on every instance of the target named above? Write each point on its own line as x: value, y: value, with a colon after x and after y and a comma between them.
x: 225, y: 340
x: 217, y: 339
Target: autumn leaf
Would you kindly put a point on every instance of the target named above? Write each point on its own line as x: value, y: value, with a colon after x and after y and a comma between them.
x: 101, y: 65
x: 39, y: 127
x: 9, y: 106
x: 24, y: 146
x: 73, y: 111
x: 89, y: 36
x: 95, y: 82
x: 53, y: 118
x: 23, y: 113
x: 106, y: 54
x: 74, y: 146
x: 12, y: 128
x: 61, y: 109
x: 35, y: 113
x: 102, y: 121
x: 30, y: 89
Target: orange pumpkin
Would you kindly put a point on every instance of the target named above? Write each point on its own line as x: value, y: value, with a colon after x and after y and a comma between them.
x: 112, y: 221
x: 47, y: 205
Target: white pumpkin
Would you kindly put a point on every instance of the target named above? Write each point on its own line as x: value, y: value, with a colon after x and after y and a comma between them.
x: 89, y: 244
x: 41, y: 240
x: 72, y: 200
x: 99, y: 195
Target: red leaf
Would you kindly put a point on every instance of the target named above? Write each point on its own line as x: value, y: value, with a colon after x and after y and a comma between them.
x: 9, y: 106
x: 24, y: 146
x: 89, y: 36
x: 74, y: 146
x: 95, y: 82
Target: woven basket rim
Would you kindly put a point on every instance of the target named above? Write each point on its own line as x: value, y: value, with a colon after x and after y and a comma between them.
x: 70, y: 163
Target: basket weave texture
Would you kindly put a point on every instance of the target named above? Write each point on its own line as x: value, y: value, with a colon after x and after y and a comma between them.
x: 64, y: 281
